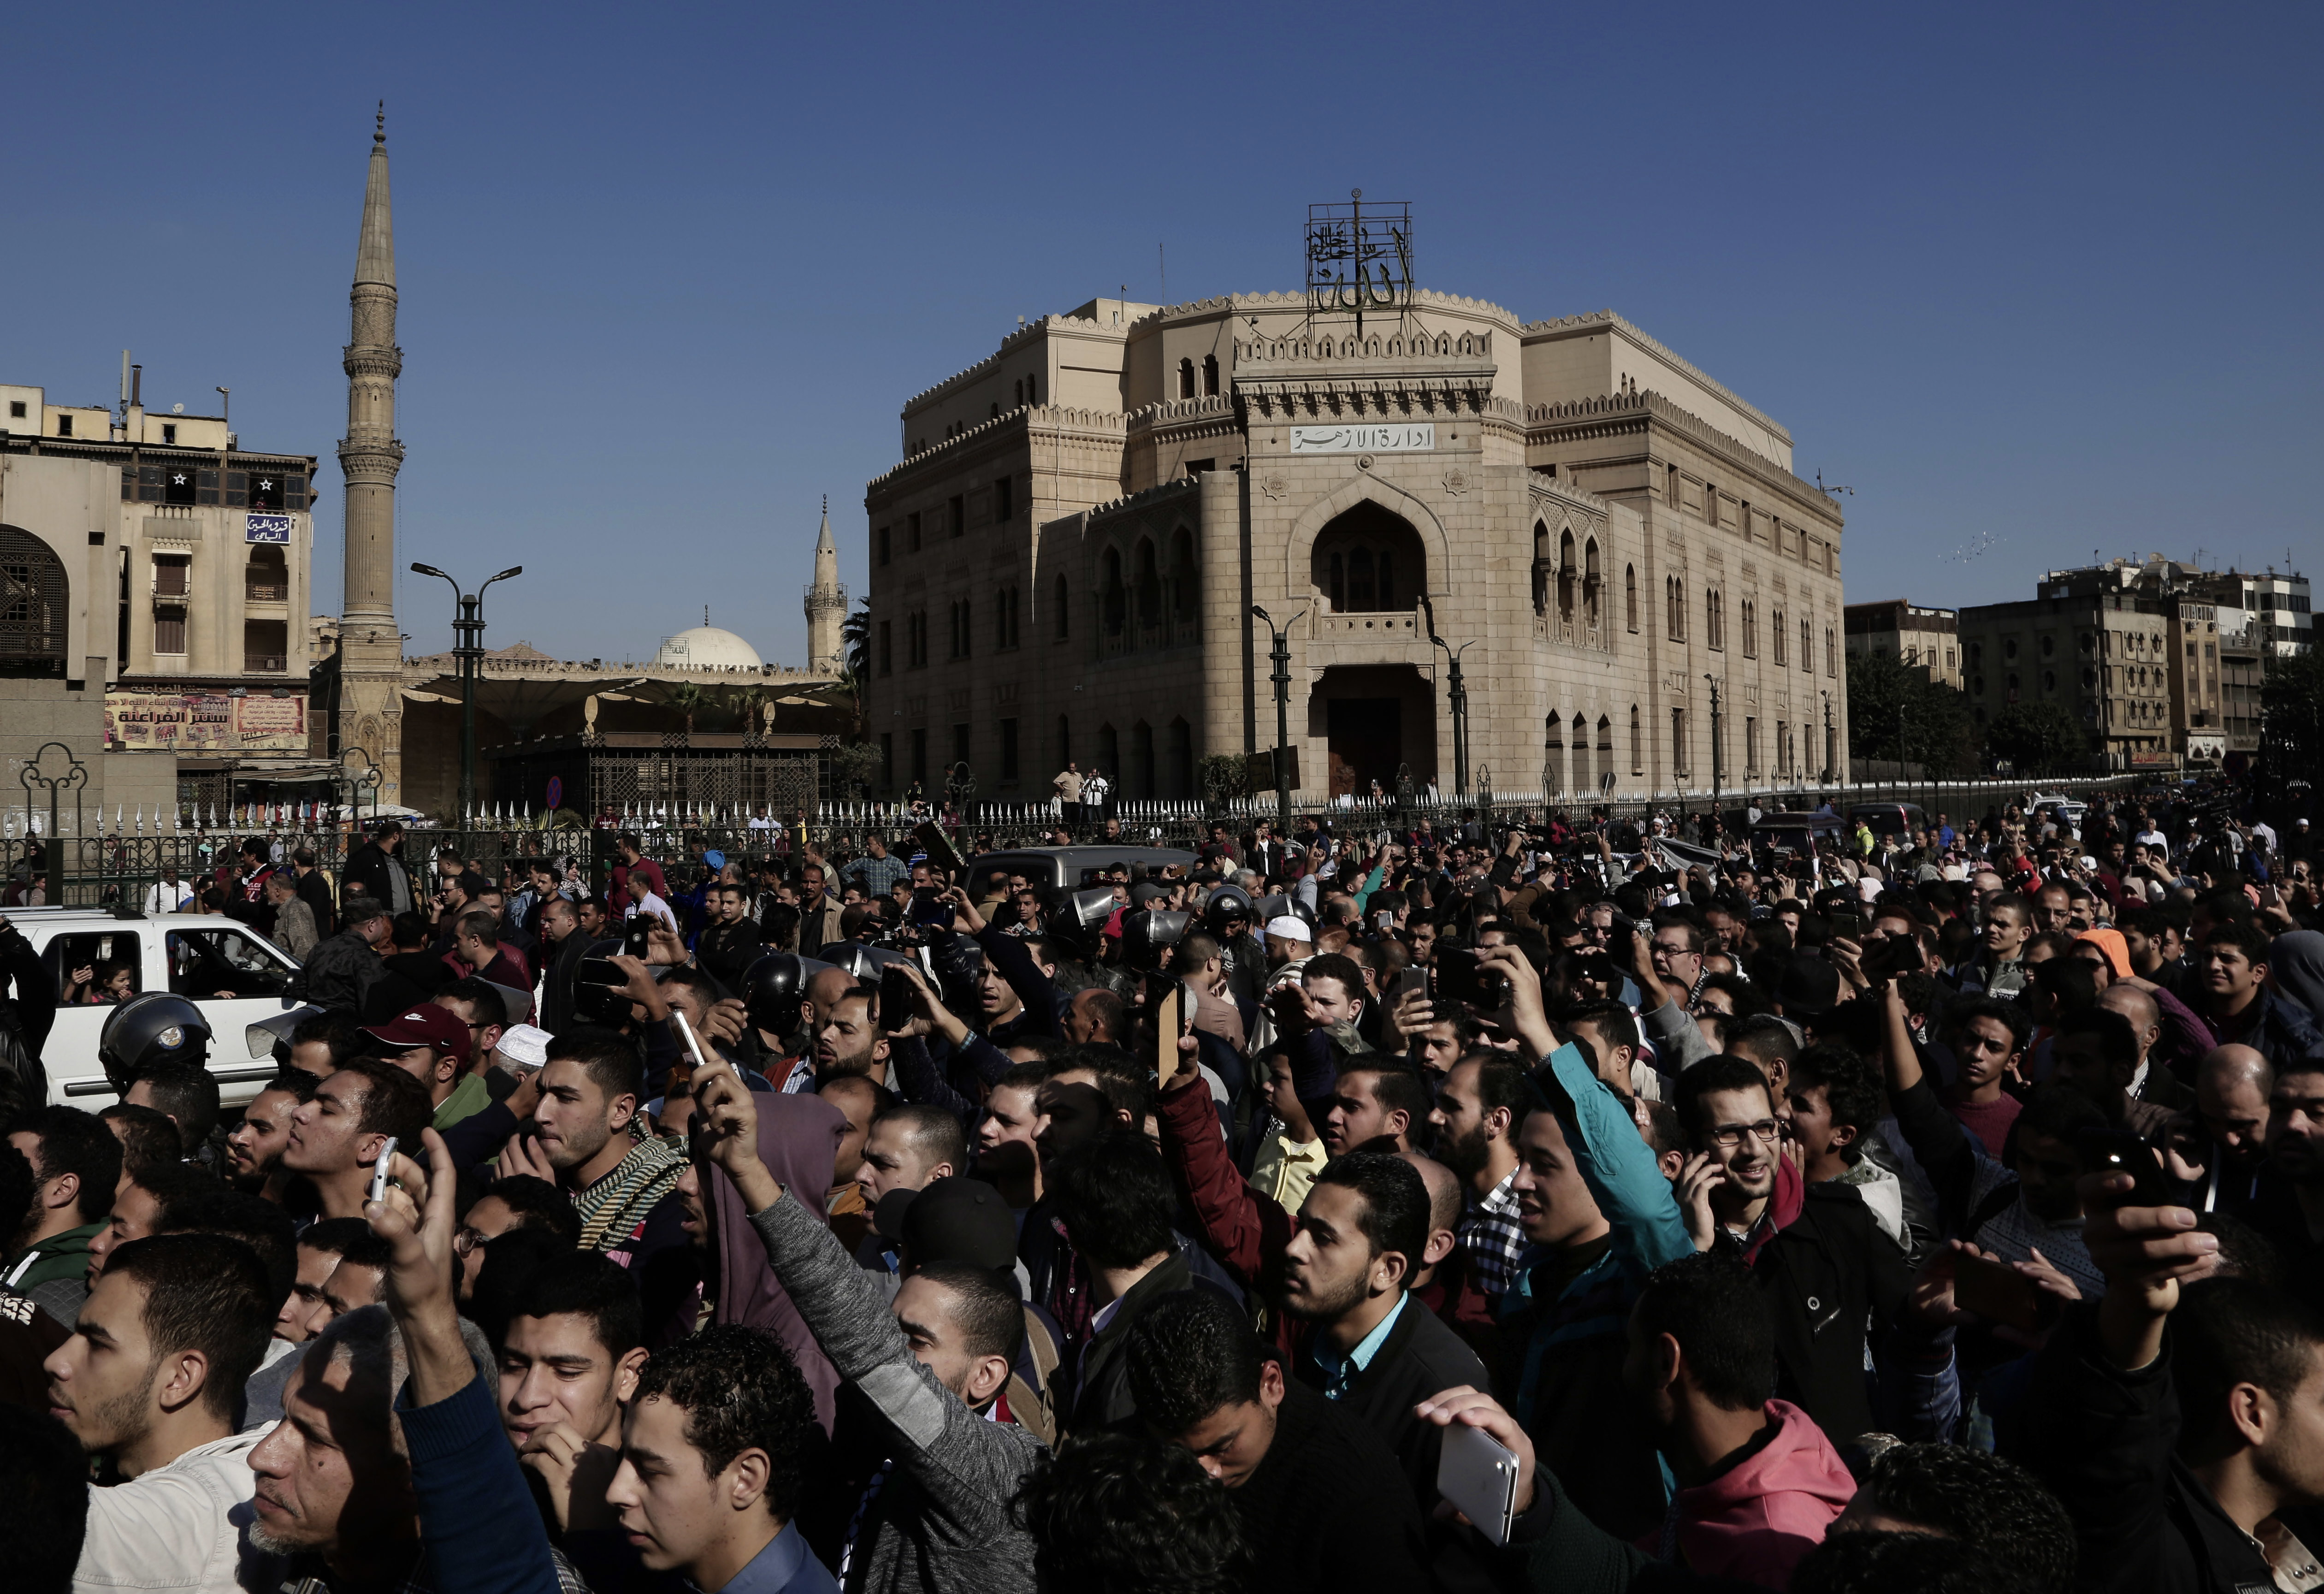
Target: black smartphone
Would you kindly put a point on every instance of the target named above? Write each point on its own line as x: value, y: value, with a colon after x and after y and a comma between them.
x: 895, y: 997
x: 1459, y: 977
x: 634, y: 941
x: 599, y: 970
x: 1408, y: 981
x: 1848, y: 922
x: 2113, y: 1150
x: 928, y: 907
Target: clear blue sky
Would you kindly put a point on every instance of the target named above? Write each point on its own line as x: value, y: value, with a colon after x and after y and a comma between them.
x: 2043, y: 278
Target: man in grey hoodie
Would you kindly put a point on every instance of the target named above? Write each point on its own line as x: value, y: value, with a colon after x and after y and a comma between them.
x: 937, y: 1516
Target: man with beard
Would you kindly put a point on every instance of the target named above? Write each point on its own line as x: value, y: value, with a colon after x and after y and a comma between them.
x: 254, y: 1146
x: 1375, y: 1098
x: 2232, y: 1086
x: 151, y: 1382
x: 1821, y: 1260
x: 1339, y: 1274
x: 1478, y: 1112
x: 848, y: 1040
x: 2290, y: 1210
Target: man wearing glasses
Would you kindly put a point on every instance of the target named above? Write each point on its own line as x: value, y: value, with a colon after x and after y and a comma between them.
x: 1678, y: 956
x: 1831, y: 1277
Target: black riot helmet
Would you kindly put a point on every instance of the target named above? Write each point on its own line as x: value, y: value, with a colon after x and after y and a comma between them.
x: 1082, y: 925
x: 773, y: 986
x: 1227, y: 903
x: 1144, y: 934
x: 156, y: 1027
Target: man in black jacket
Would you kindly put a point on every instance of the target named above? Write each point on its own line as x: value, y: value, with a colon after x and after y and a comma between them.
x: 377, y: 871
x: 561, y: 929
x: 1320, y: 1499
x: 2178, y: 1419
x: 1825, y: 1266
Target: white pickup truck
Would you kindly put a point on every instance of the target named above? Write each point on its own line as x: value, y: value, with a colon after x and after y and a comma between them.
x: 231, y: 973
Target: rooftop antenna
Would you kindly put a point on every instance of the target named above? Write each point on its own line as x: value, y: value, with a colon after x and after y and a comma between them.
x: 1831, y: 491
x: 124, y: 387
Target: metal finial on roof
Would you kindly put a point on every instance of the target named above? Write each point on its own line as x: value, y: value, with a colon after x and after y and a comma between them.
x: 379, y: 135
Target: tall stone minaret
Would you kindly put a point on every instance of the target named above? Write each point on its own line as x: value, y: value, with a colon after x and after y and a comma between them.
x: 826, y: 605
x: 371, y: 648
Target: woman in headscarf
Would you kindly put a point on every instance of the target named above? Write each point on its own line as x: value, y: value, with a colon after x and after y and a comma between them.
x: 798, y: 1140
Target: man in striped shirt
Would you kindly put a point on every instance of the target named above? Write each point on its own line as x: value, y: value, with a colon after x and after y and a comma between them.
x: 1484, y: 1099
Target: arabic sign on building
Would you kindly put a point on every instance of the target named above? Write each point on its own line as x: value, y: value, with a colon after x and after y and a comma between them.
x: 1414, y: 438
x: 205, y: 722
x: 258, y: 528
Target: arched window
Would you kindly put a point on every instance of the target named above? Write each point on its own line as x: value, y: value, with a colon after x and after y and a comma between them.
x: 1585, y: 778
x: 1149, y: 584
x: 1776, y: 632
x: 1210, y: 376
x: 1750, y: 629
x: 1363, y: 558
x: 1065, y: 605
x: 1590, y: 581
x: 1830, y: 653
x: 1185, y: 378
x: 1637, y: 744
x: 34, y: 601
x: 1711, y: 617
x: 1630, y: 596
x: 1540, y: 568
x: 1807, y: 648
x: 1182, y: 576
x: 1565, y: 578
x: 1553, y: 754
x: 1113, y: 598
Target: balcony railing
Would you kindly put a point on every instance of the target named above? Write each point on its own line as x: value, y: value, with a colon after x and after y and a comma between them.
x: 264, y: 664
x: 266, y: 592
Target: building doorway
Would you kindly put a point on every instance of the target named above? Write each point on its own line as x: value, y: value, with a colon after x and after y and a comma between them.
x: 1372, y: 719
x: 1365, y: 743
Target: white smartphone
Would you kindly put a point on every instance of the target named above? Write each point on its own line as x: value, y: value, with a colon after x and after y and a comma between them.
x: 686, y: 1031
x: 379, y: 1170
x: 1478, y: 1475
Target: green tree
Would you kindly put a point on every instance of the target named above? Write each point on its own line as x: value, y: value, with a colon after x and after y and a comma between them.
x: 2290, y: 722
x: 1895, y: 712
x: 2036, y: 738
x: 855, y: 637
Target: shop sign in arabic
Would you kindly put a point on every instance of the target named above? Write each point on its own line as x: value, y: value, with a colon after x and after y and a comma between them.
x: 205, y: 722
x: 1402, y: 439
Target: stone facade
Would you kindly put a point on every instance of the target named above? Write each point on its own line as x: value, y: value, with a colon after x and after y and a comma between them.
x: 1065, y: 564
x: 1926, y: 639
x: 61, y: 614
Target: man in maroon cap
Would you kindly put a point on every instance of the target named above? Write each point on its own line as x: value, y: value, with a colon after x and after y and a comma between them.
x: 431, y: 1044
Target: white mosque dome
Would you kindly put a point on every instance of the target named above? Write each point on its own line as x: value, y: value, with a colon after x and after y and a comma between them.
x: 706, y: 647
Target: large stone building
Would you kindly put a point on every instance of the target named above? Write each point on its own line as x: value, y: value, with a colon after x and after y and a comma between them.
x: 206, y: 552
x: 1601, y: 530
x: 2160, y: 661
x: 1926, y: 639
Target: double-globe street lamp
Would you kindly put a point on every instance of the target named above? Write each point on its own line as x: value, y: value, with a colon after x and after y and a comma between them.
x: 468, y: 625
x: 1281, y: 658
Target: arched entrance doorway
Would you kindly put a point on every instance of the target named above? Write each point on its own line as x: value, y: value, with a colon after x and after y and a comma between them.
x: 1373, y: 718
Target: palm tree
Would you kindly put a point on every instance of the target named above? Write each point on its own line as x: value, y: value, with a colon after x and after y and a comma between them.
x: 855, y: 639
x: 689, y: 699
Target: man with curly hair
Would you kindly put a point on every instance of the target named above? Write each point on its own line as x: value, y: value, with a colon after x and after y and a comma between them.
x: 1120, y: 1513
x: 713, y: 1454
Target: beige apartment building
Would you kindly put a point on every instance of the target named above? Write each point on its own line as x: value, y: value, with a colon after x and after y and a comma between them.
x: 205, y: 555
x: 1066, y: 562
x: 1926, y: 639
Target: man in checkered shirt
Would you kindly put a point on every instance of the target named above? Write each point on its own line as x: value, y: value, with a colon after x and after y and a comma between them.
x: 1484, y: 1099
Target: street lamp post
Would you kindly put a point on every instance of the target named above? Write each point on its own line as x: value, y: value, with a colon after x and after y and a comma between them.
x: 1281, y: 657
x: 1825, y: 778
x: 1456, y: 695
x: 1714, y: 744
x: 468, y: 626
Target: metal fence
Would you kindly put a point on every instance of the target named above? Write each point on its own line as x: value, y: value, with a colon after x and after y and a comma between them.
x: 122, y: 857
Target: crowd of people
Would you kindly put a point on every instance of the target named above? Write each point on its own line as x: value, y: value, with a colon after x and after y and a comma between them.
x: 1889, y: 1207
